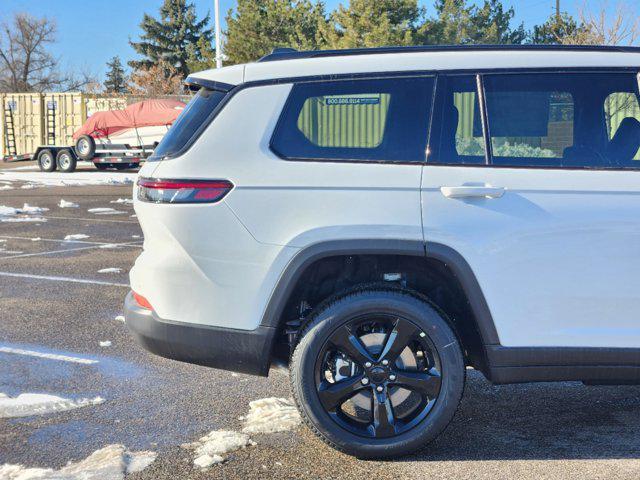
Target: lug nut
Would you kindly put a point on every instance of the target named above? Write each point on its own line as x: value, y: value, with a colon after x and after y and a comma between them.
x: 385, y: 362
x: 367, y: 364
x: 365, y: 381
x: 392, y: 377
x: 379, y: 388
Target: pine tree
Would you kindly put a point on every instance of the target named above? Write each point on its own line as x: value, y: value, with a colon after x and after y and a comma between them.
x: 116, y: 80
x: 258, y: 26
x: 374, y: 23
x: 556, y: 30
x: 459, y: 23
x: 178, y: 38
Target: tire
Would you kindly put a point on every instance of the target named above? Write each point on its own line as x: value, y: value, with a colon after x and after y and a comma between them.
x: 66, y: 160
x: 437, y: 378
x: 46, y: 161
x: 85, y: 147
x: 102, y: 166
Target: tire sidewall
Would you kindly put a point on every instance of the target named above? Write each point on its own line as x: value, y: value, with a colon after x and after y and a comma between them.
x: 92, y: 147
x: 72, y: 161
x: 337, y: 314
x: 52, y: 165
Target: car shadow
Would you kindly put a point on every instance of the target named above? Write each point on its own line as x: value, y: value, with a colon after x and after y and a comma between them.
x: 540, y: 421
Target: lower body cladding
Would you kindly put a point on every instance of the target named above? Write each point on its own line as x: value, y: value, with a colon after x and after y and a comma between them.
x: 244, y: 351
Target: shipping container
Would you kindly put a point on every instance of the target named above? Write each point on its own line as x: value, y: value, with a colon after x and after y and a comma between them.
x: 64, y: 114
x: 25, y: 111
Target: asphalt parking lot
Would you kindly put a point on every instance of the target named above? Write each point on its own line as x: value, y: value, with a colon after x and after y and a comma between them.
x: 54, y: 302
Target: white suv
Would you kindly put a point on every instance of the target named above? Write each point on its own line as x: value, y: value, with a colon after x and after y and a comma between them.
x: 381, y: 219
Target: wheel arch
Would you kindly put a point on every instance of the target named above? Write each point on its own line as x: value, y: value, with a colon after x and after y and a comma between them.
x: 447, y: 256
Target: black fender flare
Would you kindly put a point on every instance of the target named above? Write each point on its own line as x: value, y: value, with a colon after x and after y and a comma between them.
x: 443, y: 253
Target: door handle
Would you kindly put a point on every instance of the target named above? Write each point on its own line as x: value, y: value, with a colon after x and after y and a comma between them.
x: 472, y: 192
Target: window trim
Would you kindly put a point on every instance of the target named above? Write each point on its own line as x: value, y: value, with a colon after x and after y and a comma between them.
x: 347, y: 78
x: 480, y: 74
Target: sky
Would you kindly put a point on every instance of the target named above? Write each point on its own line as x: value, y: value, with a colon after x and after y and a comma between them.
x: 90, y: 33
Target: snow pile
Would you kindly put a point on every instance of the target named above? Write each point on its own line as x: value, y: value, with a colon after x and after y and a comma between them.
x: 110, y: 270
x: 120, y: 318
x: 36, y: 239
x: 211, y: 448
x: 27, y: 404
x: 109, y: 245
x: 64, y: 204
x: 112, y: 462
x: 106, y: 343
x: 26, y: 209
x: 6, y: 187
x: 127, y: 201
x: 7, y: 214
x: 76, y: 236
x: 105, y: 211
x: 270, y: 415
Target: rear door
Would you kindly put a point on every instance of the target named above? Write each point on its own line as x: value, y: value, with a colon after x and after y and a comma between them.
x: 533, y: 179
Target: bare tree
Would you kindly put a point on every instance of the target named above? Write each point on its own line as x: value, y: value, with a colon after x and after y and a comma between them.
x: 26, y: 65
x: 159, y: 79
x: 607, y: 26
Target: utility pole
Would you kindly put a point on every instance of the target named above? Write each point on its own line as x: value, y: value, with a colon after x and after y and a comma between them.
x: 558, y: 11
x: 216, y: 12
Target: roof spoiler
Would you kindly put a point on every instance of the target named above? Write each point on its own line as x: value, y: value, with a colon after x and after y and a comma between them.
x: 194, y: 83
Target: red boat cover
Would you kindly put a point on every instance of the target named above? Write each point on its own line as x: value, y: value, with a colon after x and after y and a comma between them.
x: 148, y: 113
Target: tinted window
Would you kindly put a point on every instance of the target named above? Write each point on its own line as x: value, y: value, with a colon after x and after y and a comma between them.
x: 192, y: 117
x: 563, y: 119
x: 457, y: 130
x: 365, y: 120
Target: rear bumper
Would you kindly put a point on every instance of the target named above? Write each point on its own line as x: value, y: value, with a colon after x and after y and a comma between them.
x: 245, y: 351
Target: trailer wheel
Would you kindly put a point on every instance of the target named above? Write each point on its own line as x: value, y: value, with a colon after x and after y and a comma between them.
x: 102, y: 166
x: 85, y: 147
x: 66, y: 160
x: 46, y: 162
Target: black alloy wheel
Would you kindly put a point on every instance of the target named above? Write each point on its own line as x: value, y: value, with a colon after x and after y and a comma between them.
x: 377, y: 373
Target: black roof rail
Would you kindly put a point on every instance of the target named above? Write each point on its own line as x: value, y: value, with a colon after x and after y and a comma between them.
x: 292, y: 54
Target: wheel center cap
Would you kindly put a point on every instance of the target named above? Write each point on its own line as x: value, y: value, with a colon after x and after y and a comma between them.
x: 378, y: 374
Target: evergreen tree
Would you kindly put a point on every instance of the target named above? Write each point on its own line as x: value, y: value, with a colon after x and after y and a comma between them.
x: 374, y: 23
x: 556, y: 30
x: 178, y: 38
x: 459, y: 23
x: 116, y: 80
x: 258, y: 26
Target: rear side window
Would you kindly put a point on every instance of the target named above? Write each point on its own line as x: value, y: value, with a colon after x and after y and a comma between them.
x: 195, y: 115
x: 587, y: 120
x: 361, y: 120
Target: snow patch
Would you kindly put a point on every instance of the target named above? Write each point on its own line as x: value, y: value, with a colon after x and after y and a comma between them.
x: 110, y: 270
x: 112, y: 462
x: 51, y: 179
x: 106, y: 343
x: 126, y: 201
x: 26, y: 209
x: 36, y: 239
x: 135, y: 236
x: 105, y: 211
x: 212, y: 447
x: 65, y: 204
x: 27, y: 404
x: 270, y: 415
x: 22, y: 219
x: 109, y: 245
x: 6, y: 187
x: 76, y: 236
x: 120, y: 318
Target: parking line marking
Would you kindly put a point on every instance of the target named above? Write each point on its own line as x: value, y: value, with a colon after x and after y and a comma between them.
x: 62, y: 279
x: 84, y: 219
x: 51, y: 252
x: 57, y: 240
x: 50, y: 356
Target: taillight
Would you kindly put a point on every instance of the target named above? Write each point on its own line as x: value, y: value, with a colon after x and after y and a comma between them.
x: 182, y: 191
x: 141, y: 301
